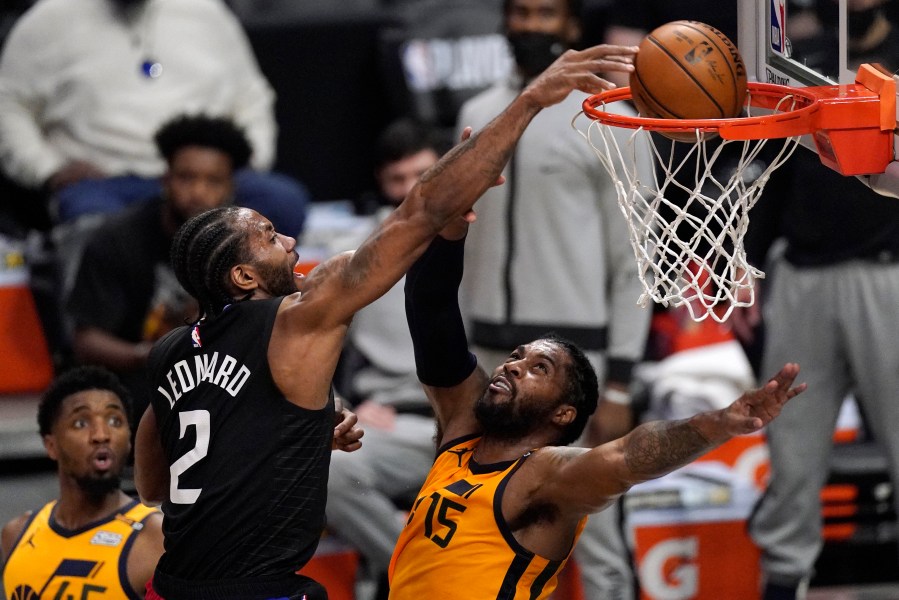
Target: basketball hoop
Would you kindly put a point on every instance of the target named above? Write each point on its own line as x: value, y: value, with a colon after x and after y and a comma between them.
x: 687, y: 219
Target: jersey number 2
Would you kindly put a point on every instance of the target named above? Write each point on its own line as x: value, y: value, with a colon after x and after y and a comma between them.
x: 200, y: 420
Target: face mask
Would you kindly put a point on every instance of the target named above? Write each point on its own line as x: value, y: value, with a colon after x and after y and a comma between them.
x: 535, y: 51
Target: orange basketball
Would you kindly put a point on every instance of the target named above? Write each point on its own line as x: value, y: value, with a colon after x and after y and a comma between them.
x: 688, y: 70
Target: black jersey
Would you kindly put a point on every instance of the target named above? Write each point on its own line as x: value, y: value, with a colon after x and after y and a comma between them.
x: 249, y: 469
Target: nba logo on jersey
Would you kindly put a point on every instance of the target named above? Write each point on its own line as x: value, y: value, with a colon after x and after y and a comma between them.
x: 195, y: 337
x: 106, y: 538
x: 778, y: 12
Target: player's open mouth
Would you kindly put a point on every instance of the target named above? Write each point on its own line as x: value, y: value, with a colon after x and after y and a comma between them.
x: 501, y: 384
x: 102, y: 460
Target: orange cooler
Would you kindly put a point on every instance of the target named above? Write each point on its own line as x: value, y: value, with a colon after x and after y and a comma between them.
x: 26, y: 365
x: 689, y: 535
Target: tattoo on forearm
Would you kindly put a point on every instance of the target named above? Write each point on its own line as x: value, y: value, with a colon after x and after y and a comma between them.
x: 364, y: 262
x: 493, y: 160
x: 656, y: 448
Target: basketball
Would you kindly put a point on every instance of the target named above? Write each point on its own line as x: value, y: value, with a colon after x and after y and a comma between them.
x: 688, y: 70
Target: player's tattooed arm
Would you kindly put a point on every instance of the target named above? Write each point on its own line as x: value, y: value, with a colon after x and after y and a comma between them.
x: 656, y: 448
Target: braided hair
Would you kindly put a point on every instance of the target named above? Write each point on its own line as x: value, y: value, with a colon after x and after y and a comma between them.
x: 203, y: 251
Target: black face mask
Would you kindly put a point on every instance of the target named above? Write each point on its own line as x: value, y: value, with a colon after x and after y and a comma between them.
x: 535, y: 51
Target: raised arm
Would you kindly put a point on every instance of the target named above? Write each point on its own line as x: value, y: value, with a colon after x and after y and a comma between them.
x: 451, y: 187
x: 581, y: 482
x: 447, y: 369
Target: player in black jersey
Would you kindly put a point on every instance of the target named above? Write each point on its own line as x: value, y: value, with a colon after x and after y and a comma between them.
x: 236, y: 442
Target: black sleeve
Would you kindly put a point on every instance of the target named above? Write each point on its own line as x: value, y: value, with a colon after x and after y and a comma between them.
x: 442, y: 358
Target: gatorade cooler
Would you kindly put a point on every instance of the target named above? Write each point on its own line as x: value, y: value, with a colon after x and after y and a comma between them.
x: 689, y: 535
x: 26, y: 366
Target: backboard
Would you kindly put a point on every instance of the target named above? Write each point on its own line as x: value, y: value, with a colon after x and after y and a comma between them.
x: 803, y: 43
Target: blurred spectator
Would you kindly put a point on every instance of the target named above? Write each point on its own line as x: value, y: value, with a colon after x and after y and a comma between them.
x: 555, y: 225
x: 59, y: 551
x: 77, y: 116
x: 368, y: 489
x: 254, y: 10
x: 125, y: 295
x: 830, y: 248
x: 873, y: 36
x: 9, y: 12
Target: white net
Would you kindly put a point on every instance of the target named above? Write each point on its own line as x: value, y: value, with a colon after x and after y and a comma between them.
x: 688, y: 221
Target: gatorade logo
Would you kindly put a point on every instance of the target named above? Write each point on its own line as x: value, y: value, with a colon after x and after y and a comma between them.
x: 669, y: 569
x: 753, y: 465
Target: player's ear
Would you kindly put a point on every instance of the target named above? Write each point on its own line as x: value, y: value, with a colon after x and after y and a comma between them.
x: 564, y: 415
x: 243, y: 277
x: 50, y: 446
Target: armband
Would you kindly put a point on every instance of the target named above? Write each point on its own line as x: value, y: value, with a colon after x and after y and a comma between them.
x: 442, y: 358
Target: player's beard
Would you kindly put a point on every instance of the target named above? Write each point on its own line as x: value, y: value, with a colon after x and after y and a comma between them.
x: 509, y: 420
x: 278, y: 280
x: 98, y: 487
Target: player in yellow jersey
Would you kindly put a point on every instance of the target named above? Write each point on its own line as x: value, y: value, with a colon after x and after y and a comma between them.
x: 95, y: 542
x: 505, y: 501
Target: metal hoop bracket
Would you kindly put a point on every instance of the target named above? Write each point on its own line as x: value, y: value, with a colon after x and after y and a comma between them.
x: 852, y: 125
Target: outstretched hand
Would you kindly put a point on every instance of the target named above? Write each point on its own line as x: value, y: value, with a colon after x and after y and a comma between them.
x: 755, y: 409
x: 577, y: 69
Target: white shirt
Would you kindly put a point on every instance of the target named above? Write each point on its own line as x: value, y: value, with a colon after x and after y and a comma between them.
x: 72, y: 86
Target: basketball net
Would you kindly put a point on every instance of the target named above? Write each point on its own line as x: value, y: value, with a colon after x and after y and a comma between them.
x: 687, y: 218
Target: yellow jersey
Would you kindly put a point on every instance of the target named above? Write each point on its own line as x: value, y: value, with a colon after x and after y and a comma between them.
x: 456, y: 543
x: 50, y: 562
